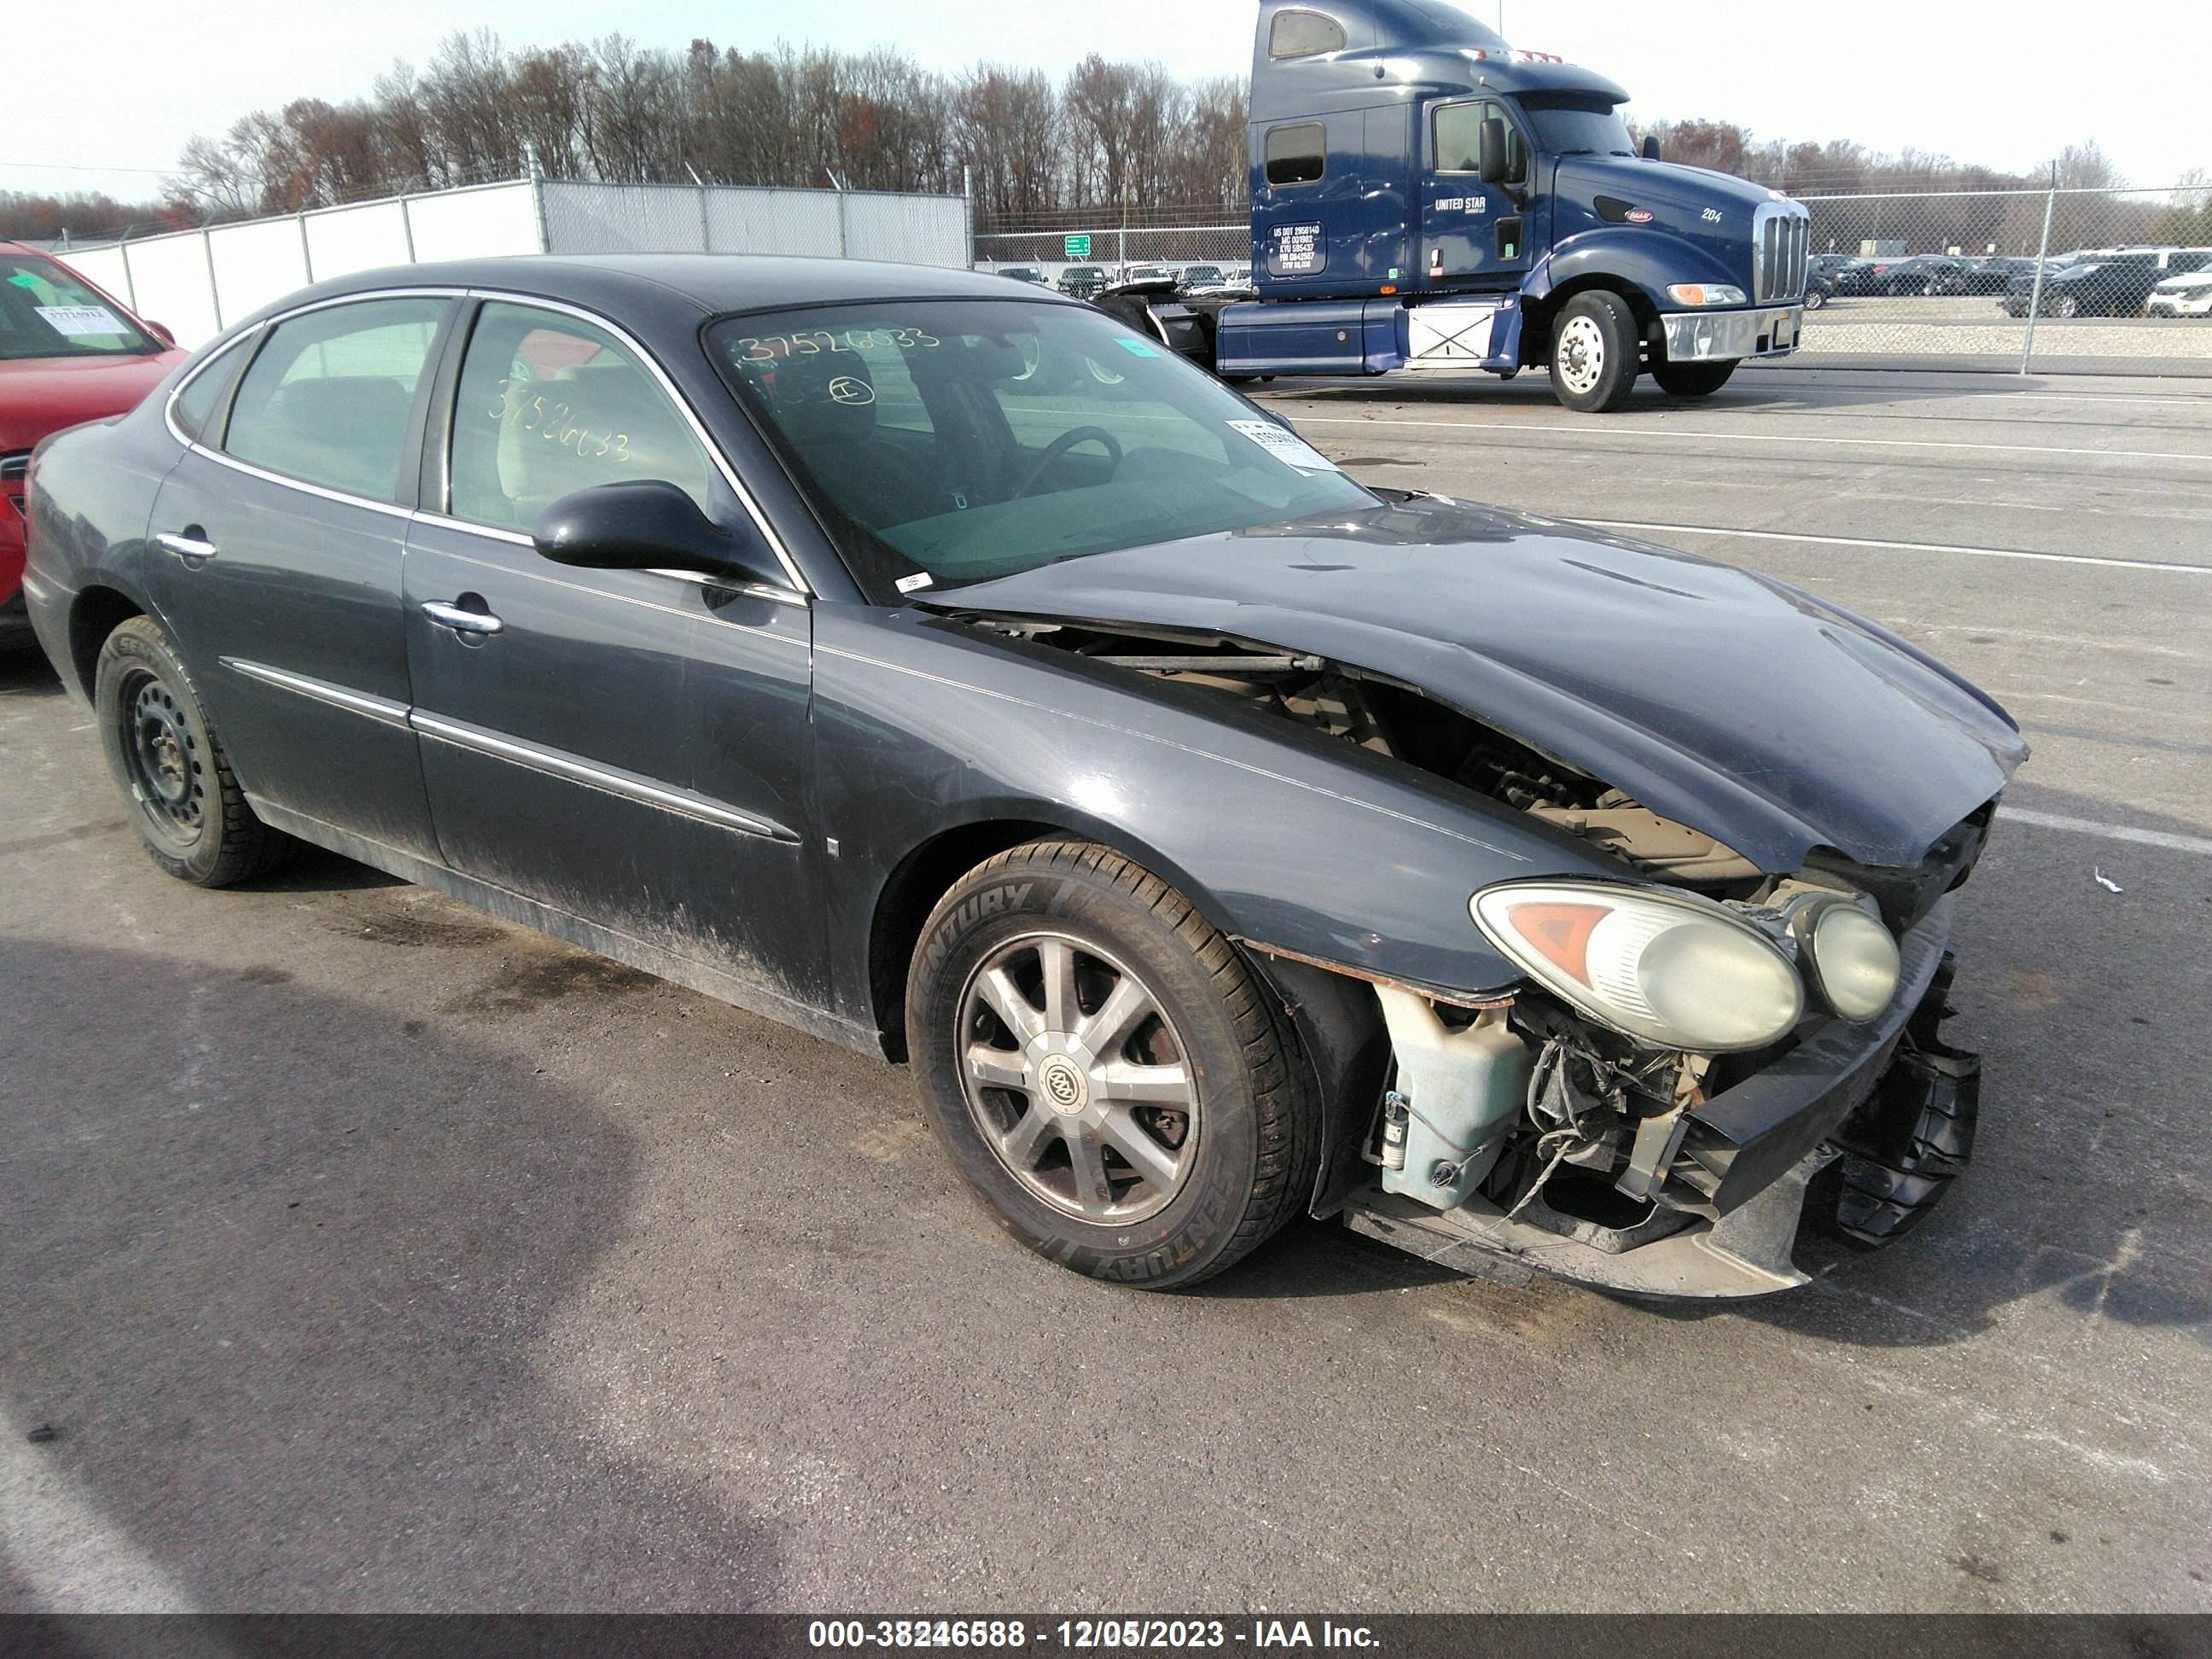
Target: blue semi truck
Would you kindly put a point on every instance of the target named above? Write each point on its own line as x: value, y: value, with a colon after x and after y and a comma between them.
x: 1426, y: 199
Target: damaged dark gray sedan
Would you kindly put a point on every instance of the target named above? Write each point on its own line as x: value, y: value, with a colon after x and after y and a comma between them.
x: 961, y: 676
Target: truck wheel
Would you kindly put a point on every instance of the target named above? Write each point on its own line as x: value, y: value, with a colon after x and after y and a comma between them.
x: 1594, y: 352
x: 1692, y: 379
x: 1105, y: 1069
x: 190, y: 815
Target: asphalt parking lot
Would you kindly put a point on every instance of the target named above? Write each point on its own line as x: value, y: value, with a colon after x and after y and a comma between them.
x: 362, y: 1252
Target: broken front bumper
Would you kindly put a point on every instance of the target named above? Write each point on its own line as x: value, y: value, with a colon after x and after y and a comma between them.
x: 1694, y: 336
x: 1873, y: 1120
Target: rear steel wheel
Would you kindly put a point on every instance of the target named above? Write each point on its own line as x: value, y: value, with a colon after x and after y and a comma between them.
x: 191, y: 815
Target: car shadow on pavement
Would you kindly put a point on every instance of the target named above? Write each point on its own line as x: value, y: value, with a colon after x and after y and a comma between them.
x: 25, y: 671
x: 275, y: 1337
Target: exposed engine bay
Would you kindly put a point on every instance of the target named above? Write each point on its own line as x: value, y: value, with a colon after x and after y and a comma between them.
x: 1524, y: 1130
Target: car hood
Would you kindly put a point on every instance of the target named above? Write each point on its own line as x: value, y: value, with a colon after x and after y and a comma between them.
x: 1731, y: 701
x: 2188, y: 283
x: 40, y: 395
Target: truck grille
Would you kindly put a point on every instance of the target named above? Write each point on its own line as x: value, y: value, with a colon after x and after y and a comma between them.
x: 1781, y: 236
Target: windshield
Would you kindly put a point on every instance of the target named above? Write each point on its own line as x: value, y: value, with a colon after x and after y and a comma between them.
x: 951, y: 442
x: 1569, y: 122
x: 47, y: 313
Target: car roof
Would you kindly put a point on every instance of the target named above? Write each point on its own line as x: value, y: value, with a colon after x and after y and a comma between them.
x: 711, y: 282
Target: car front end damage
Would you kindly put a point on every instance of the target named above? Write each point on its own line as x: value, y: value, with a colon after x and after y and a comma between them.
x: 1668, y: 1173
x: 1702, y: 835
x: 1662, y: 1135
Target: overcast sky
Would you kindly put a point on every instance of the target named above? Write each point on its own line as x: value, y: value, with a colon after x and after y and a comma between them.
x: 124, y: 84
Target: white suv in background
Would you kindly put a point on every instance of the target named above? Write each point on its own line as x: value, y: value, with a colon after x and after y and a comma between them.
x: 2186, y: 296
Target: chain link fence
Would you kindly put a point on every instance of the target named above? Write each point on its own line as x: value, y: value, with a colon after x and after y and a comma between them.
x: 1117, y: 248
x: 1996, y: 279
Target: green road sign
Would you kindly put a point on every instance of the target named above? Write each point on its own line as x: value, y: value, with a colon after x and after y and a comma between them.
x: 1078, y: 247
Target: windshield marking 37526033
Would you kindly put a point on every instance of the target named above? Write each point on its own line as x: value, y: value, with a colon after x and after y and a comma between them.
x: 952, y: 441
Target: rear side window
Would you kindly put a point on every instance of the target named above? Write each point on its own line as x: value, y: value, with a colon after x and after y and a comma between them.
x: 197, y: 404
x: 549, y: 404
x: 328, y: 399
x: 1297, y: 154
x: 1304, y: 35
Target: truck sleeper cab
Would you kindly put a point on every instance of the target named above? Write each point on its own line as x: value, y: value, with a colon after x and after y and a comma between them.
x: 1425, y: 197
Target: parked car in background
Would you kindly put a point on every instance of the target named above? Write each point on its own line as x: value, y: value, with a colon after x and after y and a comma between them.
x: 1846, y: 275
x: 1926, y: 274
x: 1081, y: 281
x: 1024, y: 274
x: 954, y: 674
x: 69, y: 353
x: 1149, y: 274
x: 2189, y: 296
x: 1994, y: 274
x: 1819, y: 290
x: 1197, y: 277
x: 2115, y: 284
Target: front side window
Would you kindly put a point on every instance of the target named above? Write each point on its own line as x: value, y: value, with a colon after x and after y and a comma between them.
x: 952, y: 441
x: 44, y: 311
x: 1297, y: 154
x: 1458, y: 138
x: 549, y: 404
x: 1304, y: 35
x: 329, y: 398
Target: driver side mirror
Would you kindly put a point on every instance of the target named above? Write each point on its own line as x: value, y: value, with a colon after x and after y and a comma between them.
x: 650, y: 524
x: 1490, y: 160
x: 161, y: 332
x: 1650, y: 146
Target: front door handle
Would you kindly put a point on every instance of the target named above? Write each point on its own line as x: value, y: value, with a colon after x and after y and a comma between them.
x: 461, y: 620
x: 190, y: 543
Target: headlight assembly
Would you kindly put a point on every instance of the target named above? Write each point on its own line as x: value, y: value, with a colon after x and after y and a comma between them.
x: 1706, y: 294
x: 1667, y: 968
x: 1855, y: 961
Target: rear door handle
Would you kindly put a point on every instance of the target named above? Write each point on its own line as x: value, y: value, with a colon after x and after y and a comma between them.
x: 460, y: 621
x: 188, y: 544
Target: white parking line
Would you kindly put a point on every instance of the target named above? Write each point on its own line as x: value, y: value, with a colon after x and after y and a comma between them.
x: 2108, y: 831
x: 1894, y: 547
x: 1558, y: 428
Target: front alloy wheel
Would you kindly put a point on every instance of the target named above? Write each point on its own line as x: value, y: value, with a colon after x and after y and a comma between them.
x: 1116, y: 1081
x: 1075, y: 1080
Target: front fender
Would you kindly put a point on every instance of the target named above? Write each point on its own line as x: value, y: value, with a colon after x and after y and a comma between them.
x: 1647, y: 259
x: 1292, y: 841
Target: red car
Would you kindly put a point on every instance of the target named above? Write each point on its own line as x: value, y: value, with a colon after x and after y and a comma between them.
x: 68, y: 354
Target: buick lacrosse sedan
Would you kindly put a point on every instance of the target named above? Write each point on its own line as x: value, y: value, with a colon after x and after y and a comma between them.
x: 952, y: 672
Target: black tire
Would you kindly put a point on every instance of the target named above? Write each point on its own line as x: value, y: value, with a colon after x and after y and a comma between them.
x: 1692, y: 379
x: 190, y: 815
x: 1814, y: 299
x: 1596, y: 353
x: 1253, y: 1132
x: 2066, y: 305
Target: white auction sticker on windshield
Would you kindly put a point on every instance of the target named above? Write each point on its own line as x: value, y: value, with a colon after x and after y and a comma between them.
x: 1286, y: 446
x: 76, y: 321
